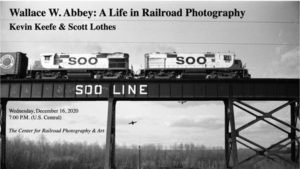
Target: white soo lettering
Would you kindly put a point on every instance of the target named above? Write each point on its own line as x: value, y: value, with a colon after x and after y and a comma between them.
x: 122, y: 89
x: 88, y: 89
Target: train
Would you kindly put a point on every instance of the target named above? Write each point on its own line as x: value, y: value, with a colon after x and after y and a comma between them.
x: 207, y: 65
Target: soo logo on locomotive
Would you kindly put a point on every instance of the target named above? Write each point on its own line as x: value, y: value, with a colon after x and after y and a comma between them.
x: 190, y: 60
x: 83, y: 60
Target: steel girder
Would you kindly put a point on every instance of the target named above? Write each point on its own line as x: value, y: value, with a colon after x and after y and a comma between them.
x: 233, y: 134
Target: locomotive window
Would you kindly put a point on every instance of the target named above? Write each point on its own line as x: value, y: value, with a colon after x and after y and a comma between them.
x: 171, y: 55
x: 117, y: 63
x: 227, y: 57
x: 213, y: 60
x: 209, y: 55
x: 236, y: 62
x: 47, y: 57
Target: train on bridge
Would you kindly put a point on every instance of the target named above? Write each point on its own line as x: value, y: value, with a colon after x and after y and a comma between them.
x: 14, y: 65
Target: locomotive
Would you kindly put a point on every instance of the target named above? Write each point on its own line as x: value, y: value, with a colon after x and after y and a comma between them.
x: 187, y: 66
x: 116, y: 66
x: 78, y: 66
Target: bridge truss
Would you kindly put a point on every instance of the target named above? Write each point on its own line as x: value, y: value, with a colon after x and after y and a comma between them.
x: 233, y: 92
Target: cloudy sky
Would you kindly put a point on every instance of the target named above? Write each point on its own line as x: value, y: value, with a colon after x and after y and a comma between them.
x: 266, y: 40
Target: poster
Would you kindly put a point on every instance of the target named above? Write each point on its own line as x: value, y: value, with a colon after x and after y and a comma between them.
x: 264, y: 36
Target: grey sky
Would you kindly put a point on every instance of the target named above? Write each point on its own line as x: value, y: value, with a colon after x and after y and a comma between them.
x: 266, y: 40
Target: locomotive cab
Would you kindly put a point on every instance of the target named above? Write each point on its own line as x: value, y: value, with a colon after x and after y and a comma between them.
x: 223, y: 60
x: 118, y: 61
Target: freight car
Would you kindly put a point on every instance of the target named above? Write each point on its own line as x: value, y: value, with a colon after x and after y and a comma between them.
x: 13, y: 65
x: 82, y: 66
x: 193, y: 66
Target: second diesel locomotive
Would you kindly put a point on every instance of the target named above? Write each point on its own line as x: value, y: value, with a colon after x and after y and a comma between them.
x: 116, y: 66
x: 199, y: 66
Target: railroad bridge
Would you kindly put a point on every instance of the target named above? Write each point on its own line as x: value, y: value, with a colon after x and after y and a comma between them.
x: 233, y: 92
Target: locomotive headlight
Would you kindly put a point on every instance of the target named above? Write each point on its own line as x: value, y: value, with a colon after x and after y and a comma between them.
x: 7, y: 61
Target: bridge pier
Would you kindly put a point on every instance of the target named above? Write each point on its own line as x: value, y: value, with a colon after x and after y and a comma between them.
x: 3, y: 133
x: 110, y: 132
x: 293, y: 135
x: 231, y: 156
x: 232, y: 135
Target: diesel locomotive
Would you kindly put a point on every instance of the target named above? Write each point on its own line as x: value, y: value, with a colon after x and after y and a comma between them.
x: 186, y: 66
x: 116, y: 66
x: 76, y: 66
